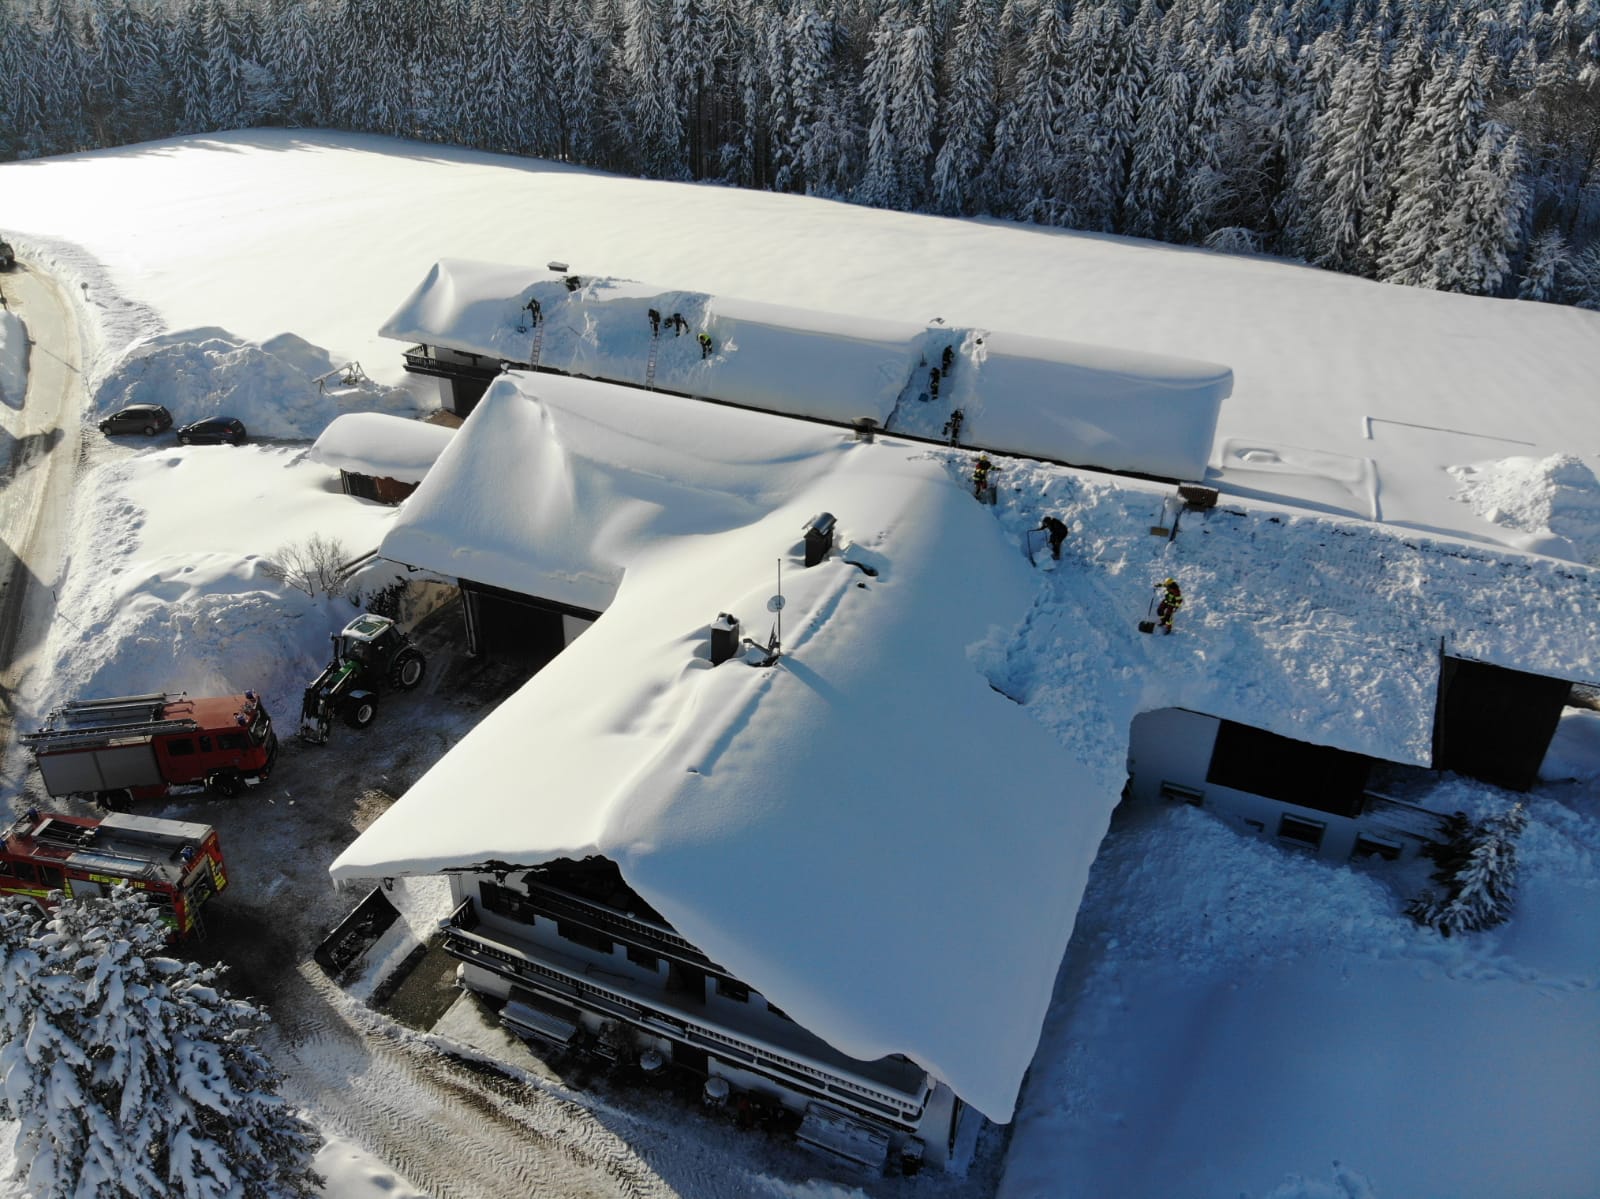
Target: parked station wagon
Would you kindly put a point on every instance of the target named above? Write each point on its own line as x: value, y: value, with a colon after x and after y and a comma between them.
x: 148, y: 419
x: 215, y: 430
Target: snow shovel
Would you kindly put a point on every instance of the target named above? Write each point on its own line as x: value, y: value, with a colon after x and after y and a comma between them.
x: 1027, y: 545
x: 1148, y: 625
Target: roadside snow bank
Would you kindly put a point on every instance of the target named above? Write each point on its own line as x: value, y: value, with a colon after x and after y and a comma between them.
x: 13, y: 359
x: 1554, y: 502
x: 272, y: 386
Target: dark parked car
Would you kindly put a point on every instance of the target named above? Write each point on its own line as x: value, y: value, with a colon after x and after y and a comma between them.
x: 215, y: 430
x: 148, y: 419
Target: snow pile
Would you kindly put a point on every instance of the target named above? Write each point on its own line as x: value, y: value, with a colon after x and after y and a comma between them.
x: 272, y: 386
x: 13, y: 359
x: 1574, y: 751
x: 384, y: 446
x: 166, y: 588
x: 1217, y: 986
x: 1553, y: 502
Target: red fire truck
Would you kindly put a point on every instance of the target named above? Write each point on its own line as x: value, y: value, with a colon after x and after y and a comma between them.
x: 130, y: 747
x: 177, y: 864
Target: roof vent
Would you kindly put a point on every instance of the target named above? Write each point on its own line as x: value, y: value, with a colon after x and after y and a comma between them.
x: 866, y: 428
x: 819, y: 537
x: 724, y: 638
x: 559, y: 268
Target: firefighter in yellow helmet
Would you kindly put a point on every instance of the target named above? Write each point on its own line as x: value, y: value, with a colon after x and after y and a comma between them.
x: 1171, y: 601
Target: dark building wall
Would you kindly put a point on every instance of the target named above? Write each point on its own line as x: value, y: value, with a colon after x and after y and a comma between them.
x: 1494, y: 723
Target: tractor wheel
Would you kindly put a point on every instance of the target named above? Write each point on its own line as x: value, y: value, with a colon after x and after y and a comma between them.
x: 225, y: 783
x: 119, y: 800
x: 407, y: 670
x: 360, y: 712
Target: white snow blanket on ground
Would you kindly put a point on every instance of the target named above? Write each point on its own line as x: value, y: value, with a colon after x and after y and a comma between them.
x: 827, y: 828
x: 380, y: 445
x: 1093, y: 405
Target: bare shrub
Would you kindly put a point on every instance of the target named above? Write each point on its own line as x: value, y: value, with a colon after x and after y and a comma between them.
x: 313, y: 565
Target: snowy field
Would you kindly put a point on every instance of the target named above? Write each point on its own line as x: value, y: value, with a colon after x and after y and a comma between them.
x: 1229, y: 1020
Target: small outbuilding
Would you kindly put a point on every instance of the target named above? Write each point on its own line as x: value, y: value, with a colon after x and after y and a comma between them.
x: 378, y: 456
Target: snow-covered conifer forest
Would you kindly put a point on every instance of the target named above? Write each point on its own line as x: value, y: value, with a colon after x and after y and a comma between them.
x: 1451, y: 144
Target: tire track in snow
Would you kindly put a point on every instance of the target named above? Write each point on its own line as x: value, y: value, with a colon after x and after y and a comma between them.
x: 449, y: 1130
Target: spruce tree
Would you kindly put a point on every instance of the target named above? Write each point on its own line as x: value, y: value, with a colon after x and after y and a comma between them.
x: 966, y: 120
x: 1477, y: 869
x: 131, y: 1074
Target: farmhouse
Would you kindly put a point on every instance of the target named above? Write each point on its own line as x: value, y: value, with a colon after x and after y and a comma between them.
x: 774, y: 812
x: 756, y: 864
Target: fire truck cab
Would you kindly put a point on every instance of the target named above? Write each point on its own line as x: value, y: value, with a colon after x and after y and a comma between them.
x: 133, y: 747
x: 176, y: 863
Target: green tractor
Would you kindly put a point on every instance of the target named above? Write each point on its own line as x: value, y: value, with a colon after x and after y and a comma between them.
x: 369, y: 656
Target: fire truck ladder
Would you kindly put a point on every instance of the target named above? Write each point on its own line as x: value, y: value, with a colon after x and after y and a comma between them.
x: 650, y: 365
x: 60, y: 832
x: 95, y: 720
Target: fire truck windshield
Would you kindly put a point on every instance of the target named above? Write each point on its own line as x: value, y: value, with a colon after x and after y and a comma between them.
x: 261, y: 726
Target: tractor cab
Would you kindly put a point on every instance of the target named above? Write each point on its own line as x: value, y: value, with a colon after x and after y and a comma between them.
x: 368, y: 639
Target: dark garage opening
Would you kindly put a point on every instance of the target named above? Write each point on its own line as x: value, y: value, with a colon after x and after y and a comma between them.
x: 509, y: 625
x: 1312, y: 776
x: 1493, y: 723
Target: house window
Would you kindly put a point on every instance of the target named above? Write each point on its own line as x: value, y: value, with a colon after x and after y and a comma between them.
x: 731, y: 989
x: 1301, y: 832
x: 582, y: 934
x: 1375, y: 847
x: 643, y: 957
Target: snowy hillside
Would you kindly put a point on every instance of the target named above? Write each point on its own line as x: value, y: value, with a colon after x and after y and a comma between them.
x: 1229, y: 1019
x: 1350, y: 395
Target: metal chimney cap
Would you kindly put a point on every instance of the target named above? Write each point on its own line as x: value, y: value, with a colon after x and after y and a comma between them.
x: 822, y: 522
x: 555, y: 266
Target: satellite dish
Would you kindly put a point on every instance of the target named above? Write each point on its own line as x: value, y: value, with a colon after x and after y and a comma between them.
x: 775, y: 604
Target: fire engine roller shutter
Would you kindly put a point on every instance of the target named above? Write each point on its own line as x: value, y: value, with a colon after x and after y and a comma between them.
x: 509, y: 624
x: 1493, y: 723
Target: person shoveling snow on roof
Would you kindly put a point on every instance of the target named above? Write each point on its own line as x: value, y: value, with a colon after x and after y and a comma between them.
x: 1057, y: 529
x: 1171, y: 600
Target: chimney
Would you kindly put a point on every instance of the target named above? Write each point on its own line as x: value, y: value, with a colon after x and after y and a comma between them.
x: 819, y: 537
x: 724, y: 638
x: 866, y: 427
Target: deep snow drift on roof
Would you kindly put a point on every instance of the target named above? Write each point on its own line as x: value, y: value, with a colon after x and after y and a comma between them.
x: 1093, y: 405
x: 375, y: 443
x: 827, y: 828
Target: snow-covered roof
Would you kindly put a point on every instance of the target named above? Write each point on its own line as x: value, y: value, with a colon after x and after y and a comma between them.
x: 1024, y: 395
x: 384, y: 446
x: 828, y: 828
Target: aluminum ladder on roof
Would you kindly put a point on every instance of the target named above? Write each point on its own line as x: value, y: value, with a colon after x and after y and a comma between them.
x: 650, y: 364
x: 90, y: 721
